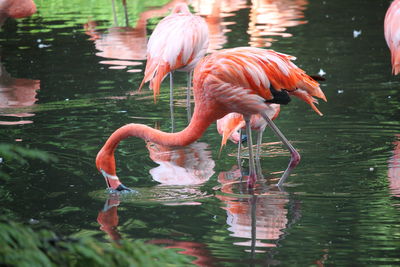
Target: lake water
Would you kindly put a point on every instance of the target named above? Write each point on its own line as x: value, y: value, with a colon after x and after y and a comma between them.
x: 69, y: 78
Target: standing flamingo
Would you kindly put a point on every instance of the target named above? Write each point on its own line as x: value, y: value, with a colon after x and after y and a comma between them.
x: 178, y: 42
x: 243, y: 80
x: 392, y: 34
x: 230, y: 126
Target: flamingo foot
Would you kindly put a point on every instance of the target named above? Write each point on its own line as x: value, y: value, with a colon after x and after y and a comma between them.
x: 295, y: 160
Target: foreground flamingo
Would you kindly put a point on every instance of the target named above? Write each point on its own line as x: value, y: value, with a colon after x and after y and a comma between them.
x: 392, y: 34
x: 243, y: 80
x: 230, y: 126
x: 178, y: 42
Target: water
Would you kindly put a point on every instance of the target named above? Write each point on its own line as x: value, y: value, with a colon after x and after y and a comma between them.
x: 69, y: 78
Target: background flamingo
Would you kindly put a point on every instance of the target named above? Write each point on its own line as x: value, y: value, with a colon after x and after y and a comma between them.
x: 230, y: 127
x: 16, y: 9
x: 232, y: 80
x: 392, y: 34
x: 178, y: 42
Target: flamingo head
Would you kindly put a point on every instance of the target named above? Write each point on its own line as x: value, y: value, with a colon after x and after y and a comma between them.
x: 105, y: 163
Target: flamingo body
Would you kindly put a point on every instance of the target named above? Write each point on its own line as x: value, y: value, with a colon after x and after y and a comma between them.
x: 392, y: 34
x: 178, y: 42
x: 231, y: 80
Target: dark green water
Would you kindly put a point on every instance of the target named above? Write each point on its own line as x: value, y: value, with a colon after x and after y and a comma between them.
x: 342, y: 203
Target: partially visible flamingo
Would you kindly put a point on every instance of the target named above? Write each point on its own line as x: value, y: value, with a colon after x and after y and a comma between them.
x: 178, y: 42
x: 394, y: 169
x: 243, y: 80
x: 230, y: 126
x: 16, y: 9
x: 392, y: 34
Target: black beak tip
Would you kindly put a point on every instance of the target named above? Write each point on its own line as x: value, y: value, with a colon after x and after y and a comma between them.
x: 123, y: 188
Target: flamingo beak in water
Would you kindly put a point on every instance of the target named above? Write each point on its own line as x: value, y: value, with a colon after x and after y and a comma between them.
x: 113, y: 183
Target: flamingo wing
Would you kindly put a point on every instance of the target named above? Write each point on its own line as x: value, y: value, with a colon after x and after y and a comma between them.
x: 243, y: 77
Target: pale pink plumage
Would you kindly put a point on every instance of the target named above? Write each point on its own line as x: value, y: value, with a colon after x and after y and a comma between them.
x: 229, y: 125
x: 178, y: 42
x: 392, y: 34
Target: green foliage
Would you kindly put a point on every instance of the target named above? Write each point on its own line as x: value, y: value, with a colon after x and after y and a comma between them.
x: 19, y: 153
x: 21, y: 246
x: 10, y: 152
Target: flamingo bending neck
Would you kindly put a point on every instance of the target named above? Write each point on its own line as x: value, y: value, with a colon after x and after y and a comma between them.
x: 105, y: 160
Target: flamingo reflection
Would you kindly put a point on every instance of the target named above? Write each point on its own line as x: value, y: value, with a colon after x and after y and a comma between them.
x: 190, y: 165
x: 259, y: 219
x: 195, y: 249
x: 215, y: 13
x: 16, y: 93
x: 269, y: 18
x: 108, y: 217
x: 108, y: 220
x: 124, y: 46
x: 394, y: 169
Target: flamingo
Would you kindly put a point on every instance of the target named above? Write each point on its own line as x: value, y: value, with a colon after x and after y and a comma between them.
x: 392, y: 34
x: 230, y: 125
x: 178, y: 42
x: 16, y: 9
x: 243, y: 80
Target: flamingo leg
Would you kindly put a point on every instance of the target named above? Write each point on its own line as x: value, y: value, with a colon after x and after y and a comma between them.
x: 188, y: 96
x: 258, y: 152
x: 295, y: 156
x: 252, y: 175
x: 253, y: 205
x: 239, y: 155
x: 171, y: 101
x: 259, y: 141
x: 126, y: 13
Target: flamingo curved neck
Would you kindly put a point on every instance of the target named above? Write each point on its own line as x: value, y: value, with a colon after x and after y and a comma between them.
x: 105, y: 160
x: 191, y: 133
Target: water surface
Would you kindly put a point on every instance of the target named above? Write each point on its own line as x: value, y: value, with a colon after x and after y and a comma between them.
x: 69, y: 76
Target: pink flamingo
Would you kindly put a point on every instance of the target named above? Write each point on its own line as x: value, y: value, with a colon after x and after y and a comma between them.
x: 230, y: 126
x: 243, y: 80
x: 178, y: 42
x: 16, y: 9
x: 392, y: 34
